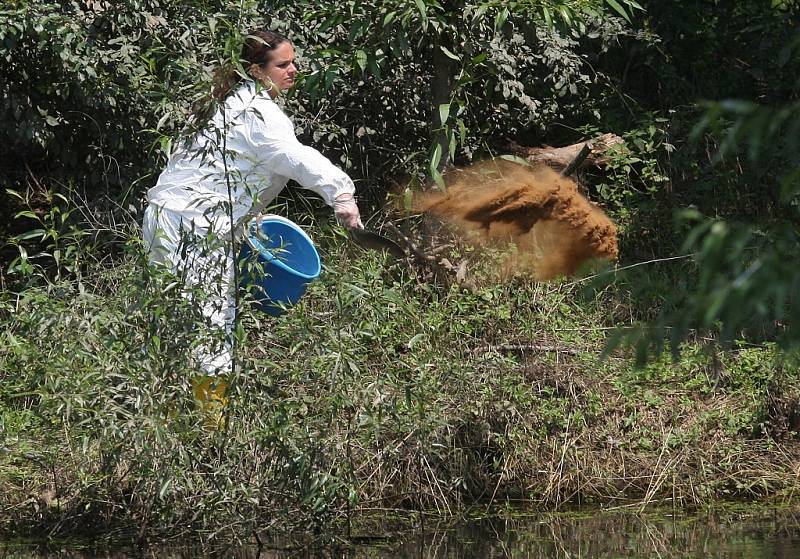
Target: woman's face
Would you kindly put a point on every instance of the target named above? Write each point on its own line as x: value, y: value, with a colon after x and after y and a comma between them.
x: 280, y: 70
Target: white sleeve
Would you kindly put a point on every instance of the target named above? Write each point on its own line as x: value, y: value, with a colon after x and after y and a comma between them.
x: 277, y: 151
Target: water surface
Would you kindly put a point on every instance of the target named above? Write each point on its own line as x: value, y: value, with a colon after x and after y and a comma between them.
x: 761, y: 534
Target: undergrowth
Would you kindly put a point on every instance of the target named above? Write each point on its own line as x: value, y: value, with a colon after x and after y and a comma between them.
x: 383, y: 391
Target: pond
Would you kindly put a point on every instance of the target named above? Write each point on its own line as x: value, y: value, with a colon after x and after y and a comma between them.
x: 750, y: 534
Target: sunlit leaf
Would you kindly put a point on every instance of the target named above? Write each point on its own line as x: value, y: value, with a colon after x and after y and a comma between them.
x: 444, y: 113
x: 619, y: 9
x: 449, y: 53
x: 361, y: 59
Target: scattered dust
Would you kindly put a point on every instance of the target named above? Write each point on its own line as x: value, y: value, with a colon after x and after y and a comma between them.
x: 553, y: 228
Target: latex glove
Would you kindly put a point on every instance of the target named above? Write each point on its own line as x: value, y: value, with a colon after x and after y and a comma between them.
x: 346, y: 211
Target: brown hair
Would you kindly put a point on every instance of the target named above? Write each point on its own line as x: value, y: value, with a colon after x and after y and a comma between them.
x: 256, y: 51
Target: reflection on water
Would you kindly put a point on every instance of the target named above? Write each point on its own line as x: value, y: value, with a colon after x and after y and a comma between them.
x: 746, y: 535
x: 765, y: 535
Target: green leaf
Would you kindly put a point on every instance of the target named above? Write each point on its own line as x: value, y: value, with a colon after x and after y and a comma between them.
x: 423, y: 12
x: 164, y: 488
x: 619, y: 9
x: 361, y: 60
x: 451, y: 143
x: 500, y: 19
x: 515, y: 159
x: 718, y: 300
x: 548, y: 17
x: 388, y: 18
x: 414, y: 340
x: 436, y: 158
x: 161, y: 121
x: 33, y: 234
x: 479, y: 12
x: 359, y: 292
x: 565, y: 15
x: 480, y: 58
x: 15, y: 194
x: 444, y: 113
x: 449, y: 53
x: 439, y: 180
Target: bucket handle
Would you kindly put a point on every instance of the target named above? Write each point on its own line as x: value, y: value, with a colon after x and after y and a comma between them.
x: 255, y: 224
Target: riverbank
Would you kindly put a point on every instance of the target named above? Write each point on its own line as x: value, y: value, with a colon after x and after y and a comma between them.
x: 383, y: 390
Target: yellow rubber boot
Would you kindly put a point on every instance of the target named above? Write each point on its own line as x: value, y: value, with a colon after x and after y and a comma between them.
x: 209, y: 394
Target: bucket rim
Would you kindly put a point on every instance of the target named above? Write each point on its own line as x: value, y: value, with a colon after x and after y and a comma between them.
x: 269, y: 256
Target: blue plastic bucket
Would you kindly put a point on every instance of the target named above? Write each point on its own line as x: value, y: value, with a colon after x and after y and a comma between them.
x: 277, y: 260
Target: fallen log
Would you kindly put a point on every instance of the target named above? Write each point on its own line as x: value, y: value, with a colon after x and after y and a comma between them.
x: 560, y: 158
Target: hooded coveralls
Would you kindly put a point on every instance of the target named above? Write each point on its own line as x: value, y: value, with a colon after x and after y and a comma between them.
x: 186, y: 224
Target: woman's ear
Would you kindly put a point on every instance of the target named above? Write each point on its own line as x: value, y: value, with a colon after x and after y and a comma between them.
x: 259, y: 74
x: 256, y: 72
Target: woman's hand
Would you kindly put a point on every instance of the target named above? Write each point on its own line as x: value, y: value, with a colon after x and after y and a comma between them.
x: 346, y: 211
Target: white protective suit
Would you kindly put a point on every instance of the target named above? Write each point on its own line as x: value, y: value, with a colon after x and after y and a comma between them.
x: 186, y: 225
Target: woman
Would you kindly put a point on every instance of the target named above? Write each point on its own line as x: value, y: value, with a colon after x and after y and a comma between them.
x: 229, y: 172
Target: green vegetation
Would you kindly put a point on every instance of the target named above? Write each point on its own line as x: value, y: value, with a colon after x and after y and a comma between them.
x: 381, y: 391
x: 394, y: 386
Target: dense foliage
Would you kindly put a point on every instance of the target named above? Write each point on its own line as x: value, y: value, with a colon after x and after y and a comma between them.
x: 90, y: 92
x: 735, y: 173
